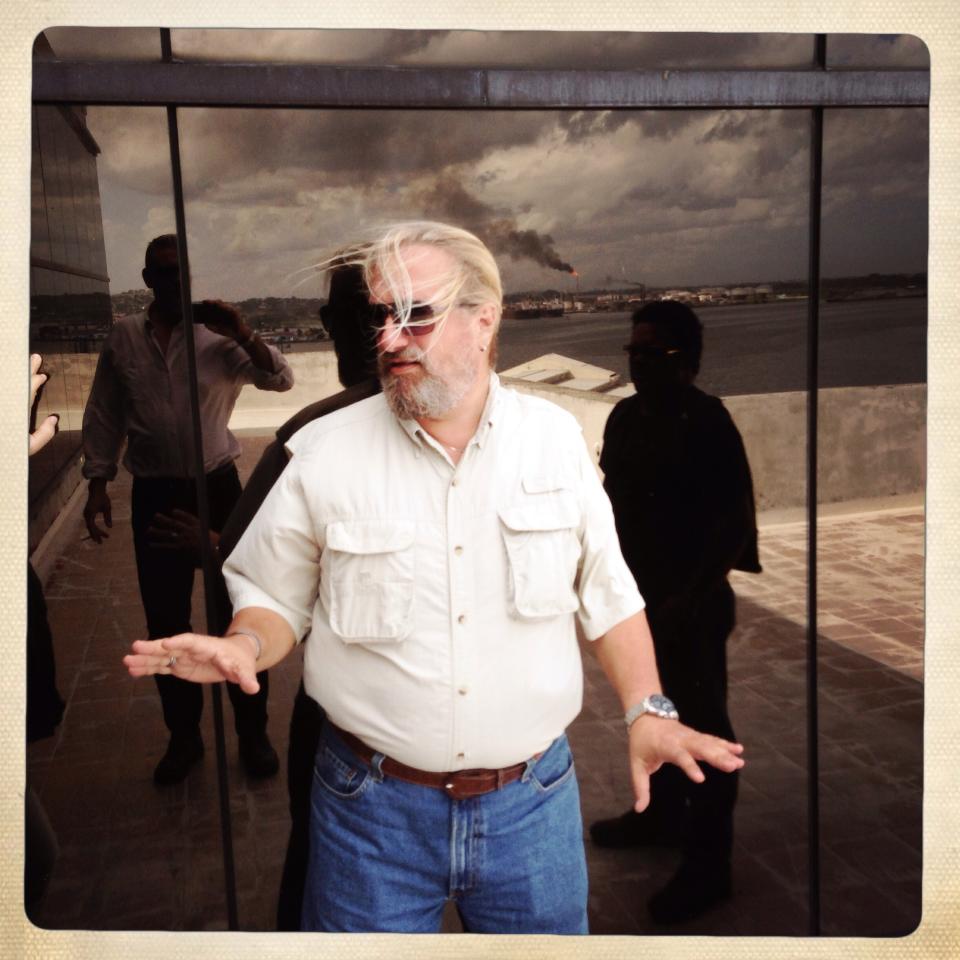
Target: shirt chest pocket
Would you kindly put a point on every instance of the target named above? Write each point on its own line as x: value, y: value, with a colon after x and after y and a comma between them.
x: 370, y: 567
x: 543, y: 550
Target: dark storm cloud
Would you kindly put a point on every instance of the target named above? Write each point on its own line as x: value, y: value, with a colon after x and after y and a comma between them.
x: 580, y: 125
x: 448, y: 199
x: 565, y: 50
x: 322, y: 147
x: 663, y: 124
x: 681, y: 198
x: 862, y: 147
x: 729, y: 125
x: 656, y: 196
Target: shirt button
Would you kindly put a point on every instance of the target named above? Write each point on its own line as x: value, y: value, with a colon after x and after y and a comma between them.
x: 453, y: 482
x: 458, y: 550
x: 462, y: 618
x: 462, y: 691
x: 461, y: 756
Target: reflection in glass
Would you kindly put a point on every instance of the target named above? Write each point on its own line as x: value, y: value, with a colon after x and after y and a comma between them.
x: 703, y: 206
x: 854, y: 51
x: 518, y: 49
x: 870, y: 533
x: 104, y: 43
x: 69, y: 298
x: 39, y: 231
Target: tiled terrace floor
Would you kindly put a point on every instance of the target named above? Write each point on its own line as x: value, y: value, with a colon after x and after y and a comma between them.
x: 137, y: 857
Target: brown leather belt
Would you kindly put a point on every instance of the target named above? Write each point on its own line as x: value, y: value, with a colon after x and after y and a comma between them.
x: 460, y: 785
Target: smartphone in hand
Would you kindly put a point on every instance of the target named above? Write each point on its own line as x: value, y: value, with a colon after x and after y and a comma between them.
x: 205, y: 312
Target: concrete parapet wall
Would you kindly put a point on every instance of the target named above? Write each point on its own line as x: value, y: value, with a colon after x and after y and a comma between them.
x: 872, y: 439
x: 314, y: 377
x: 872, y: 442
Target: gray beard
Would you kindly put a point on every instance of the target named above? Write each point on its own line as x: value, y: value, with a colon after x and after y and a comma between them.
x: 431, y: 397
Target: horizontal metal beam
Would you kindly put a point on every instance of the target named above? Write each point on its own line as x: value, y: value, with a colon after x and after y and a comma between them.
x: 299, y: 85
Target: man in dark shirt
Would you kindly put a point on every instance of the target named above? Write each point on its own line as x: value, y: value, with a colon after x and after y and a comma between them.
x: 347, y: 318
x: 677, y: 475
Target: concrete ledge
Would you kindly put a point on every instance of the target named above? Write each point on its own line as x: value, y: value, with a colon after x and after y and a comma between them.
x: 872, y: 439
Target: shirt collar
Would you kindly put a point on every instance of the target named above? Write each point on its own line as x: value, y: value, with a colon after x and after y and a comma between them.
x: 491, y: 410
x: 149, y: 326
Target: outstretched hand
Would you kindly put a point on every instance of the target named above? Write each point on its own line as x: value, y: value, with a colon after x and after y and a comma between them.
x: 199, y: 658
x: 655, y: 741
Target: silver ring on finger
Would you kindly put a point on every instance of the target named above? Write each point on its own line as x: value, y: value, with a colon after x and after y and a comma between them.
x: 172, y: 662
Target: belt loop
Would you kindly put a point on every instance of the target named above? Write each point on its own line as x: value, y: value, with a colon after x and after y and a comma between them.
x: 528, y: 770
x: 376, y: 766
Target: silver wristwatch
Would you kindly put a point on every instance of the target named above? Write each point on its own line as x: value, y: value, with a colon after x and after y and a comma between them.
x: 657, y: 704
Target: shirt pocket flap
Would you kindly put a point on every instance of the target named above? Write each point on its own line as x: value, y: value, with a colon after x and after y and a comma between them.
x: 544, y: 483
x: 555, y: 512
x: 364, y: 536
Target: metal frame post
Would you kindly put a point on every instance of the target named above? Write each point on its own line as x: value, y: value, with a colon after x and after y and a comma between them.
x: 203, y: 510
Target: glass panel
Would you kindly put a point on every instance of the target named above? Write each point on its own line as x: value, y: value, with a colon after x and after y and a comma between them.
x: 877, y: 50
x: 708, y: 207
x: 100, y: 43
x: 870, y: 531
x: 92, y: 599
x: 558, y: 50
x: 70, y: 308
x: 47, y: 120
x: 39, y: 230
x: 71, y: 209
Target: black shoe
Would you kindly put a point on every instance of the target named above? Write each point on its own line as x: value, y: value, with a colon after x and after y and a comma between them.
x: 258, y: 756
x: 691, y: 891
x: 634, y: 829
x: 182, y: 753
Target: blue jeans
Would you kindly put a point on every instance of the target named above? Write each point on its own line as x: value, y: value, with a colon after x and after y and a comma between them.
x: 385, y: 855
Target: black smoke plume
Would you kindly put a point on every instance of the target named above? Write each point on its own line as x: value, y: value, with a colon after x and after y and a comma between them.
x: 448, y: 199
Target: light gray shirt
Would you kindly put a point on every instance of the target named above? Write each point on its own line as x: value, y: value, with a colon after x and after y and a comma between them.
x: 141, y: 394
x: 441, y: 599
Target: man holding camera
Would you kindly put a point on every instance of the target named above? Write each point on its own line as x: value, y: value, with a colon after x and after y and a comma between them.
x: 140, y: 394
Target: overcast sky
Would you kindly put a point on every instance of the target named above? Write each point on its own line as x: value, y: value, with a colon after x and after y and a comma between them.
x: 664, y: 198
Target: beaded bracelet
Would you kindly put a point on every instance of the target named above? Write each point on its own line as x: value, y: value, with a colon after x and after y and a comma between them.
x: 253, y: 636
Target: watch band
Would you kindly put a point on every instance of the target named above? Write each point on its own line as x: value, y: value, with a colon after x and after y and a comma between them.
x: 656, y: 704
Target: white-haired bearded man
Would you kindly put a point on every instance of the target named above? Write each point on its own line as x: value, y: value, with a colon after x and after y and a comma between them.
x: 437, y: 542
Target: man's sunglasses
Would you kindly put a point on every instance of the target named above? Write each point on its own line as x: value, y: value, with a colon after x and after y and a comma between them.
x: 418, y: 324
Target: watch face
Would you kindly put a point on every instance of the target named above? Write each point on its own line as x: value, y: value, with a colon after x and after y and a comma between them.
x: 661, y: 703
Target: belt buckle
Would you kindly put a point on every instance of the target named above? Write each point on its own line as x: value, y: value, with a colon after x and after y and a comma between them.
x: 465, y: 784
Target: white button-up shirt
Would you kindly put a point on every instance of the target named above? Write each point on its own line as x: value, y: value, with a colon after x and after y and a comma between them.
x: 141, y: 393
x: 440, y: 598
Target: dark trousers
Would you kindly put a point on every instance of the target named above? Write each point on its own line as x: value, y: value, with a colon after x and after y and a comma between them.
x: 305, y: 724
x: 45, y: 709
x: 692, y: 662
x: 44, y: 704
x: 166, y: 586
